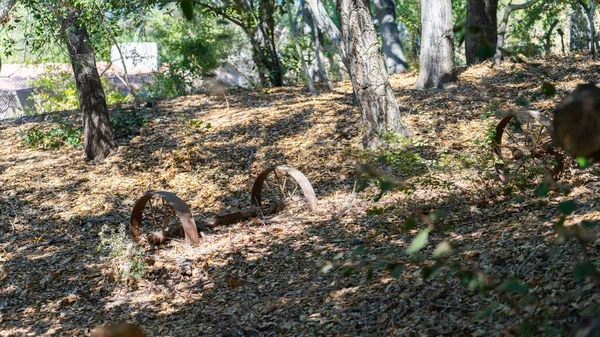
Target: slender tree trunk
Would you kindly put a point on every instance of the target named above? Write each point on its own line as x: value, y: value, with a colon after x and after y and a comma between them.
x: 548, y: 36
x: 562, y: 39
x: 504, y: 27
x: 368, y: 72
x: 97, y: 133
x: 328, y: 27
x: 320, y: 57
x: 437, y: 45
x: 294, y: 36
x: 317, y: 36
x: 481, y: 32
x: 5, y: 7
x: 590, y: 14
x: 395, y: 60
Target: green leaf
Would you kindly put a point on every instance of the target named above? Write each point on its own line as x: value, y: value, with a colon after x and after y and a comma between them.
x: 359, y: 250
x: 542, y: 190
x: 548, y: 89
x: 396, y: 270
x: 514, y: 285
x: 522, y: 101
x: 418, y: 242
x: 347, y: 270
x: 518, y: 199
x: 589, y: 224
x: 375, y: 211
x: 566, y: 207
x: 369, y: 274
x: 582, y: 270
x: 442, y: 248
x: 488, y: 311
x: 583, y: 162
x: 327, y: 267
x: 410, y: 223
x: 187, y: 8
x: 426, y: 272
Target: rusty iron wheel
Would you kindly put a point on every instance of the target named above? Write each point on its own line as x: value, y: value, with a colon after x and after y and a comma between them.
x: 524, y: 150
x: 161, y: 214
x: 287, y: 185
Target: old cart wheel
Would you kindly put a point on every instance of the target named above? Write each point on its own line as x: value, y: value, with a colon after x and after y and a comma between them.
x: 157, y: 215
x: 286, y: 184
x: 524, y: 150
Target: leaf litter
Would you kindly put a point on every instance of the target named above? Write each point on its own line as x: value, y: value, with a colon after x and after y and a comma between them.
x: 265, y: 277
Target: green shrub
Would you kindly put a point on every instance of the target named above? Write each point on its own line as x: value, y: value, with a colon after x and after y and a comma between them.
x: 55, y: 90
x: 62, y: 134
x: 127, y: 259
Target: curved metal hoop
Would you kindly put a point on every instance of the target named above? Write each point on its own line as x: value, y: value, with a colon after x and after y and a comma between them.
x: 182, y: 210
x: 497, y: 142
x: 307, y: 189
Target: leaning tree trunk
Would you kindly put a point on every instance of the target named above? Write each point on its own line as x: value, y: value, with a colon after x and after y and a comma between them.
x: 437, y: 46
x: 368, y: 72
x: 504, y: 27
x: 311, y: 26
x: 590, y: 15
x: 97, y: 133
x: 328, y: 27
x: 548, y: 37
x: 395, y: 60
x: 481, y: 30
x: 294, y: 37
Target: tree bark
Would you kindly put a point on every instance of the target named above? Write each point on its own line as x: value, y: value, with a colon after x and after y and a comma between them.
x: 97, y: 133
x: 589, y: 11
x: 294, y: 36
x: 328, y: 27
x: 395, y: 60
x: 437, y: 45
x: 481, y: 30
x: 311, y: 25
x: 548, y: 36
x: 319, y: 56
x: 504, y: 26
x: 368, y: 72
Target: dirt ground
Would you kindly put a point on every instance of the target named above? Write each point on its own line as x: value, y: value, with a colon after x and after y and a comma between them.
x: 289, y: 275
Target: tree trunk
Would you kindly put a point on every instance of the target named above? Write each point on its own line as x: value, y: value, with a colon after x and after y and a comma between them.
x: 97, y: 133
x: 548, y: 36
x: 395, y: 60
x: 481, y: 30
x: 368, y: 72
x: 590, y: 15
x: 319, y: 56
x: 328, y: 27
x: 504, y: 26
x: 437, y: 45
x: 294, y: 36
x: 311, y: 25
x: 5, y: 7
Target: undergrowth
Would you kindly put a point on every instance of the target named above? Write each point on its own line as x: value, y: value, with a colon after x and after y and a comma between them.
x: 127, y: 259
x: 64, y: 133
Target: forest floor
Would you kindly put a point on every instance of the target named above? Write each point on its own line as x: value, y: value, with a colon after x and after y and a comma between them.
x: 300, y: 274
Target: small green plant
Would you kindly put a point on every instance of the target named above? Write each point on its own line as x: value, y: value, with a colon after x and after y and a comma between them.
x: 127, y: 259
x: 125, y: 122
x: 62, y: 134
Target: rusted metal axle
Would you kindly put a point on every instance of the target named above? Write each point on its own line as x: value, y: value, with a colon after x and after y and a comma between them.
x: 188, y: 226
